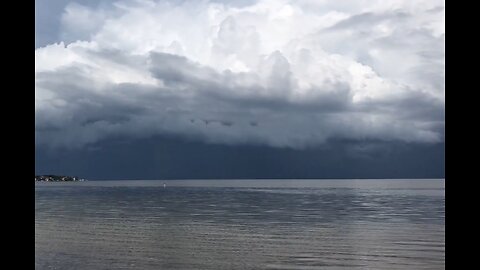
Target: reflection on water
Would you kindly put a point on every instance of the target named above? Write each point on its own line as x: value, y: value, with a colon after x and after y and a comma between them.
x: 110, y: 225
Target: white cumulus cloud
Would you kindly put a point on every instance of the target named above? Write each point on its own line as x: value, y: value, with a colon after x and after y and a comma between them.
x: 276, y: 72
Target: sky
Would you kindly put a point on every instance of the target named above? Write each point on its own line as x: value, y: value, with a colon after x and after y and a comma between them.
x: 240, y: 89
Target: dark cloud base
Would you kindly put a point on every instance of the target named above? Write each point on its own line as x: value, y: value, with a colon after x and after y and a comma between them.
x: 176, y: 158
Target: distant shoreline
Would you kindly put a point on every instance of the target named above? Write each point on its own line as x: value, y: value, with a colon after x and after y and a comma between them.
x: 57, y: 178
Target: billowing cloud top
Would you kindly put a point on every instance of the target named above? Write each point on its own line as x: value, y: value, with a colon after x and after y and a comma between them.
x: 276, y: 72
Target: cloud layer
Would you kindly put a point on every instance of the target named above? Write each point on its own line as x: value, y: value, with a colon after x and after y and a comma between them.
x: 281, y: 73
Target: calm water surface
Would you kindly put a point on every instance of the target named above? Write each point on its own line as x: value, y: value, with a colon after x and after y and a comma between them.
x: 256, y: 224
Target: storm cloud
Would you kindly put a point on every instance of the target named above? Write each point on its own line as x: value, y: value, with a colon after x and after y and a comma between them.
x: 292, y: 74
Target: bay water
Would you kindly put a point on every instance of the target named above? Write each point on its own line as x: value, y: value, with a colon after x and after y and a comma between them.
x: 241, y: 224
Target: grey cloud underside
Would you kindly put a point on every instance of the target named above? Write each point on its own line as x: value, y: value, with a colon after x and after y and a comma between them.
x: 196, y: 101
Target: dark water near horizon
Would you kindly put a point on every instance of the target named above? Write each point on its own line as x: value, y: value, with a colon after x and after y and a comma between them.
x: 238, y: 224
